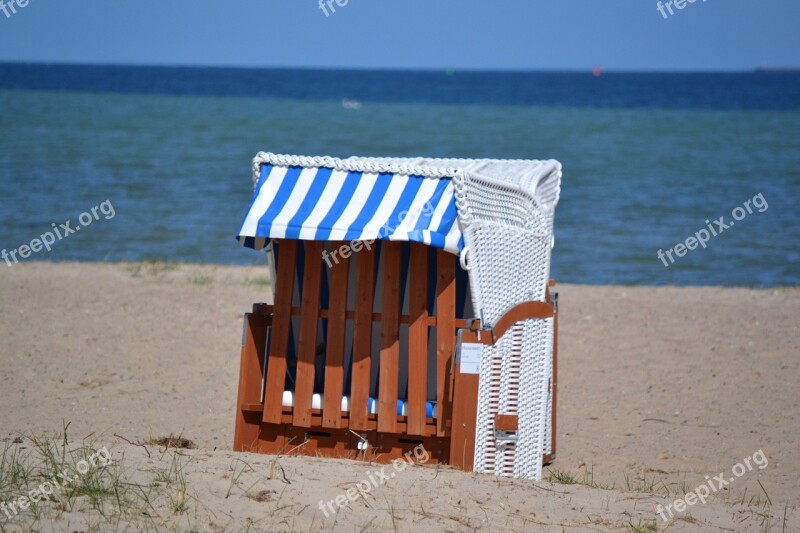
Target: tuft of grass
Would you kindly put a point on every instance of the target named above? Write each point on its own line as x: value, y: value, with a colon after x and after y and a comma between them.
x: 79, y: 473
x: 172, y: 482
x: 15, y: 469
x: 106, y: 494
x: 167, y: 476
x: 567, y: 478
x: 237, y: 475
x: 564, y: 478
x: 640, y: 483
x: 768, y: 520
x: 179, y: 501
x: 54, y: 476
x: 642, y: 526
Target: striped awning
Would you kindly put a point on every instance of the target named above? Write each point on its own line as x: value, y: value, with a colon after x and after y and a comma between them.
x: 326, y: 204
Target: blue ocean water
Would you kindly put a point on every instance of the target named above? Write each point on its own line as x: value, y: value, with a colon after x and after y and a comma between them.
x: 648, y: 157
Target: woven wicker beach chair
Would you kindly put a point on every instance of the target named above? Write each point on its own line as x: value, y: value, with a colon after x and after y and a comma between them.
x: 412, y: 306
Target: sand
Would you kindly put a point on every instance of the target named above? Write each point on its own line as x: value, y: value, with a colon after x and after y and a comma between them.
x: 658, y: 388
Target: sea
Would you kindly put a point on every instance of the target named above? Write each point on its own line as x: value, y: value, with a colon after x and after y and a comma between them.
x: 649, y: 159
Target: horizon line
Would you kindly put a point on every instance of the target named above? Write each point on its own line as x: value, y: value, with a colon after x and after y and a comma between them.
x: 604, y: 70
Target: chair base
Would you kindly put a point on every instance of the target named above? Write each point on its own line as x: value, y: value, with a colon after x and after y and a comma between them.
x: 338, y: 443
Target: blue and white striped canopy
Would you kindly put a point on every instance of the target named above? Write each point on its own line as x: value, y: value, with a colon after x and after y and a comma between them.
x: 325, y: 204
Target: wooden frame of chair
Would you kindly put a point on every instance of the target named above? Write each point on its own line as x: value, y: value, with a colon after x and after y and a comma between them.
x: 265, y: 425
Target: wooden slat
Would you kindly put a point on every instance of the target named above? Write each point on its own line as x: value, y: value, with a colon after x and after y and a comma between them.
x: 316, y: 421
x: 418, y: 339
x: 250, y: 373
x: 390, y: 338
x: 445, y: 333
x: 254, y: 407
x: 554, y: 426
x: 465, y: 414
x: 362, y: 340
x: 307, y: 344
x: 279, y: 343
x: 334, y: 359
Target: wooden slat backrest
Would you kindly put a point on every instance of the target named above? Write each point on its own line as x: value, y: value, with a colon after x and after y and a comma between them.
x: 334, y: 357
x: 418, y: 340
x: 279, y: 343
x: 364, y: 317
x: 307, y: 343
x: 390, y: 338
x: 445, y: 334
x: 362, y: 339
x: 251, y: 369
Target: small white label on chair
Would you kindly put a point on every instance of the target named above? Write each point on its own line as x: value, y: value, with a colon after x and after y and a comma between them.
x: 471, y: 358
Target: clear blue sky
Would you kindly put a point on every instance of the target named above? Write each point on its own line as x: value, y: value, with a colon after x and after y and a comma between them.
x: 498, y: 34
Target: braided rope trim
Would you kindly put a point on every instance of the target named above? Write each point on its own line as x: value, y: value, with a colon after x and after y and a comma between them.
x: 352, y: 164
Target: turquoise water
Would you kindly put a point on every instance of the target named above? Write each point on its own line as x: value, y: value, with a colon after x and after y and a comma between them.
x: 177, y: 170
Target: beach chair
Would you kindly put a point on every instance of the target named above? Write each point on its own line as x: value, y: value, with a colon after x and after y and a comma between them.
x: 412, y: 307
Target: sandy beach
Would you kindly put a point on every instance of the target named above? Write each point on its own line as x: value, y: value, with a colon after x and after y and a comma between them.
x: 659, y: 387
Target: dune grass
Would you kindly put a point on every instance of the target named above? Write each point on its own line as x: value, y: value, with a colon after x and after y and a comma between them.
x: 44, y: 479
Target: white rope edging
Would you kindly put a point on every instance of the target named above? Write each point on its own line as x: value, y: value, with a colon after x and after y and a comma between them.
x: 353, y: 164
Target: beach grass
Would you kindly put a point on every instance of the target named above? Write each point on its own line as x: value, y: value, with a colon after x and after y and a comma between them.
x: 49, y: 478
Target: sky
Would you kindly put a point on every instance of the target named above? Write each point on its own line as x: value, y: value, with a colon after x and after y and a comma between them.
x: 429, y: 34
